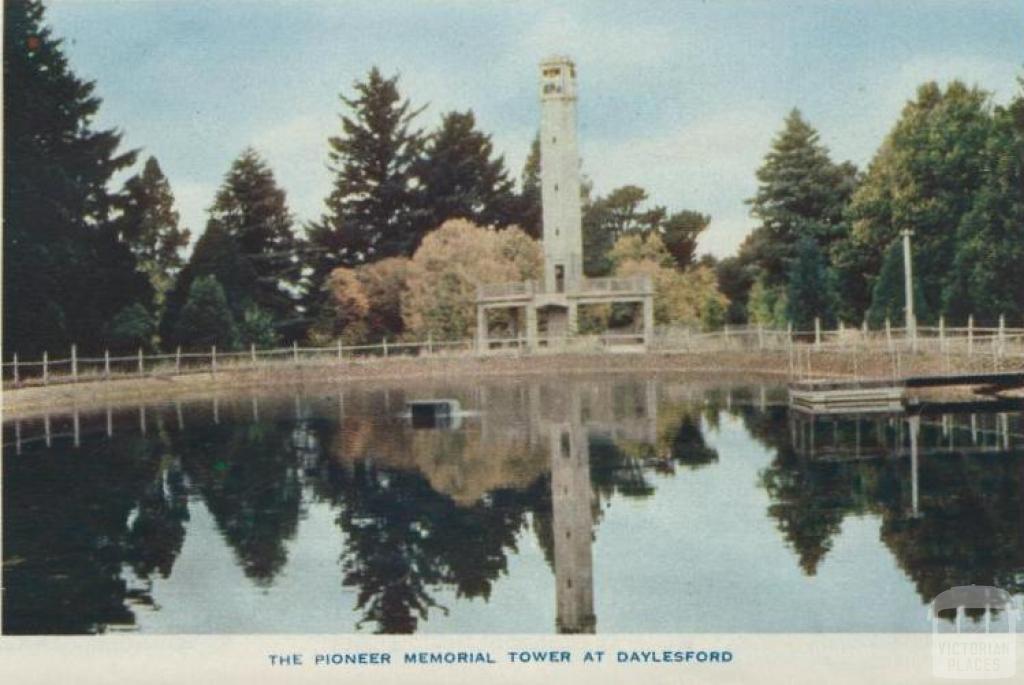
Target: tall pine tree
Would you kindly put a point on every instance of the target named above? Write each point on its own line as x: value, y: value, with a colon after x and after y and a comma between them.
x: 150, y: 225
x: 65, y: 272
x: 250, y: 247
x: 529, y: 203
x: 371, y: 212
x: 801, y: 193
x: 459, y: 177
x: 809, y: 293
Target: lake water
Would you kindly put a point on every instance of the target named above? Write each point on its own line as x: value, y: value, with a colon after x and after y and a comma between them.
x: 576, y: 504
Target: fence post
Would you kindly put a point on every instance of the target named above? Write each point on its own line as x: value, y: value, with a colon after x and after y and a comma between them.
x: 177, y: 360
x: 74, y: 363
x: 1002, y: 334
x: 760, y: 336
x: 970, y: 335
x: 46, y: 368
x: 252, y: 353
x: 430, y: 342
x: 888, y: 333
x: 106, y: 364
x: 295, y: 351
x: 942, y: 332
x: 817, y: 333
x: 340, y: 353
x: 16, y: 369
x: 141, y: 368
x: 385, y: 346
x: 213, y: 360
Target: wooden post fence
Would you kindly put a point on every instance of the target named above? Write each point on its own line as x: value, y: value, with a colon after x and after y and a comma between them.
x: 16, y: 380
x: 1002, y: 335
x: 888, y: 333
x: 970, y: 335
x: 817, y: 333
x: 74, y: 363
x: 106, y: 364
x: 252, y: 354
x: 340, y: 352
x: 46, y: 369
x: 213, y: 360
x: 142, y: 368
x: 177, y: 360
x: 295, y: 351
x: 385, y: 346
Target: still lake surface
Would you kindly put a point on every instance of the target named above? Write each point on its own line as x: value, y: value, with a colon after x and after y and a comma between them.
x: 612, y: 504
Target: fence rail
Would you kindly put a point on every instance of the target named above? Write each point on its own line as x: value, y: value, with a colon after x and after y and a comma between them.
x: 968, y: 348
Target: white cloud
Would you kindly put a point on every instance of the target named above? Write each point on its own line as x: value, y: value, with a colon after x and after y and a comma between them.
x: 707, y: 165
x: 192, y: 199
x: 296, y: 151
x: 880, y: 103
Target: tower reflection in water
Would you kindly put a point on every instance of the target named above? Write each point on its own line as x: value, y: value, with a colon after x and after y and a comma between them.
x: 432, y: 525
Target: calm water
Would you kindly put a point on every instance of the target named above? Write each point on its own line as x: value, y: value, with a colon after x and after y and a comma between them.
x: 569, y: 504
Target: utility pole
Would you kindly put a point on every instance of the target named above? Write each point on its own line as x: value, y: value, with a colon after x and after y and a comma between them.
x: 908, y: 280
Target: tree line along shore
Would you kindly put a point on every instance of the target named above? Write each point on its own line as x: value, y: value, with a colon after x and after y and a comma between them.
x: 420, y: 214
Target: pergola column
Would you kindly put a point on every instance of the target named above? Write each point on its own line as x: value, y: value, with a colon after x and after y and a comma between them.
x: 648, y: 321
x: 531, y: 326
x: 481, y: 329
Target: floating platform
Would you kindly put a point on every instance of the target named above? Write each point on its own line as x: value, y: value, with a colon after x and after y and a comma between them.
x: 873, y: 395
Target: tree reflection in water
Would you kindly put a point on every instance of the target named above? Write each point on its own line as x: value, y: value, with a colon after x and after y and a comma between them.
x: 439, y: 513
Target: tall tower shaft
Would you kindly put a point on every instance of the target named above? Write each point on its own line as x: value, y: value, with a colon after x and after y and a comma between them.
x: 560, y: 176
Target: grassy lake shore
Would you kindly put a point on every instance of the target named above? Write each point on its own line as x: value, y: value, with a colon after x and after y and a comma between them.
x: 269, y: 378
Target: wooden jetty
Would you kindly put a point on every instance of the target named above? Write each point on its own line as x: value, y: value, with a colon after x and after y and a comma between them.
x: 867, y: 395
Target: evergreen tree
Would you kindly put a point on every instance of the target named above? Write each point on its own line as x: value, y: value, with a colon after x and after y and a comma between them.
x: 371, y: 210
x: 801, y: 193
x: 65, y: 273
x: 132, y: 328
x: 256, y: 327
x: 206, y: 318
x: 680, y: 232
x: 809, y: 294
x: 925, y: 177
x: 252, y: 210
x: 607, y: 219
x: 149, y: 225
x: 459, y: 177
x: 530, y: 213
x: 216, y: 254
x: 735, y: 279
x: 250, y: 247
x: 888, y: 297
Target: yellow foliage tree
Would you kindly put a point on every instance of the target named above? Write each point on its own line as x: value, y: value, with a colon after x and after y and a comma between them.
x: 688, y: 297
x: 345, y: 315
x: 450, y: 263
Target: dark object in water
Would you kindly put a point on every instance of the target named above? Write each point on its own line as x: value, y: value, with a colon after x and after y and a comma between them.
x: 433, y: 413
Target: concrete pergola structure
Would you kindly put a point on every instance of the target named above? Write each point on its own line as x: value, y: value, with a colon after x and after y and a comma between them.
x: 564, y: 288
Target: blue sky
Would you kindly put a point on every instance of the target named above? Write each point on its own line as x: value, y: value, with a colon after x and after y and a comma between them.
x: 682, y: 98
